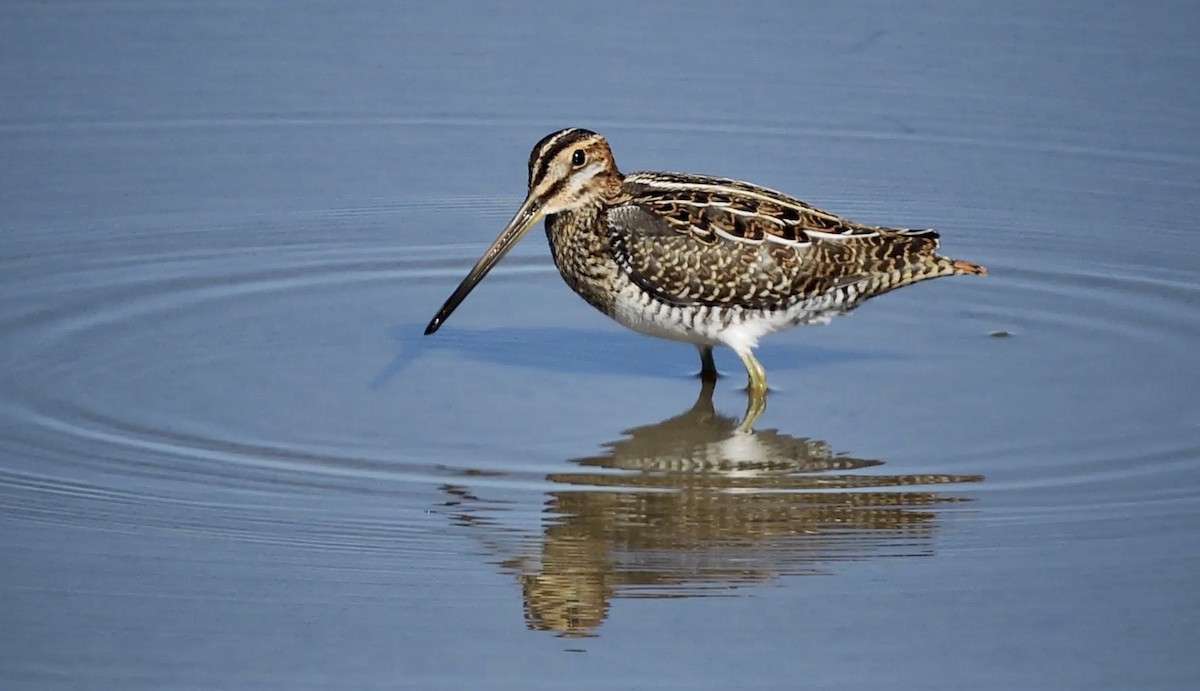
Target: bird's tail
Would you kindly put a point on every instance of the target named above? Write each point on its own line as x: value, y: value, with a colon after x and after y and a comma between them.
x: 969, y: 268
x: 927, y: 267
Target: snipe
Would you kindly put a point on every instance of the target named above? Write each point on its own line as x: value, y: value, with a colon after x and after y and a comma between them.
x: 704, y: 260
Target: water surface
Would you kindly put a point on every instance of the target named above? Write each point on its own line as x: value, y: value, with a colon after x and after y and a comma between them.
x: 230, y: 459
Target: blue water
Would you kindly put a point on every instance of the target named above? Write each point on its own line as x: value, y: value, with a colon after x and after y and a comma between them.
x: 229, y: 459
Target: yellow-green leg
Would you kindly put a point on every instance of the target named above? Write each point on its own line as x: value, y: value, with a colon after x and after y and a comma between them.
x: 708, y: 367
x: 756, y: 390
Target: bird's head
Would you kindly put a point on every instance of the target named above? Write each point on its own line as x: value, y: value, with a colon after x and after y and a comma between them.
x: 569, y: 170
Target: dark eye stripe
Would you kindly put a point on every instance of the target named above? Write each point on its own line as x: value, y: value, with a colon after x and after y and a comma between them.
x: 550, y: 146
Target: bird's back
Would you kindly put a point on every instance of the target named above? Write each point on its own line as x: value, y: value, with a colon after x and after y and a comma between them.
x: 704, y: 241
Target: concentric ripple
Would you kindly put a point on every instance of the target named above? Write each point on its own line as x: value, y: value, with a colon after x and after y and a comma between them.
x: 201, y: 391
x: 258, y: 369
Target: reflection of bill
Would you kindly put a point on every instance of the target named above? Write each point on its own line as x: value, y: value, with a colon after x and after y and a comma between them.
x: 694, y: 506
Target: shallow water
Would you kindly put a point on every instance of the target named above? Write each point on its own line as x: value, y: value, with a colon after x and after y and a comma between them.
x: 230, y: 459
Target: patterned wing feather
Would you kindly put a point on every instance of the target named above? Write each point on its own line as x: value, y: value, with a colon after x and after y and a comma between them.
x: 689, y: 269
x: 693, y: 240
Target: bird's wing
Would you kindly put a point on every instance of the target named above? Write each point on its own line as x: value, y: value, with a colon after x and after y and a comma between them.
x: 689, y: 268
x: 710, y: 241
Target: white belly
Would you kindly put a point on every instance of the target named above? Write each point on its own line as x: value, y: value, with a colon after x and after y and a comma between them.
x: 737, y: 328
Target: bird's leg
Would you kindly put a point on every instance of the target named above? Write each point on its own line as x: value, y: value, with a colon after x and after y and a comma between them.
x: 758, y: 375
x: 708, y: 367
x: 756, y: 390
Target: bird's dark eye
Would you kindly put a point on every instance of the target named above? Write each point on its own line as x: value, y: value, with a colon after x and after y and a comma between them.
x: 578, y: 158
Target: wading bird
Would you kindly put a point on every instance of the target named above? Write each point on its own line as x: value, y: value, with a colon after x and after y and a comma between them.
x: 704, y: 260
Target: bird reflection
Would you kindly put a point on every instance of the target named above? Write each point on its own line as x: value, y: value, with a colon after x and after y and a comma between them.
x: 695, y: 506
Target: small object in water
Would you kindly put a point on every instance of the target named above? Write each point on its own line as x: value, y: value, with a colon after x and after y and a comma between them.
x: 1000, y: 333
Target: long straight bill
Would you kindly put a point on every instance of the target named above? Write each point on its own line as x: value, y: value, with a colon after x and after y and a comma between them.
x: 529, y: 213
